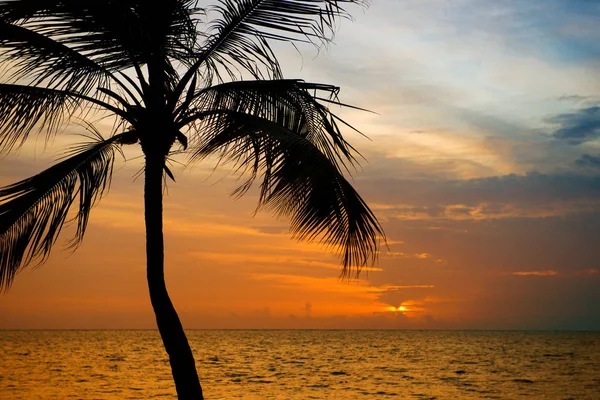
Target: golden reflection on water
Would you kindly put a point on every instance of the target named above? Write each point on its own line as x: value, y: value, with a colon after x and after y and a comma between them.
x: 304, y: 365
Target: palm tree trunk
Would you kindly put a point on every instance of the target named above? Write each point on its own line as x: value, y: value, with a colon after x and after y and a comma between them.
x: 171, y: 331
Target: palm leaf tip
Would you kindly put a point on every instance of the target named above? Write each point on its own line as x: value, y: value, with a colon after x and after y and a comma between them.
x: 335, y: 215
x: 34, y: 210
x: 300, y: 178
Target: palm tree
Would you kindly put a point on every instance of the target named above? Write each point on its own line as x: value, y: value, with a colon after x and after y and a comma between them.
x: 174, y: 82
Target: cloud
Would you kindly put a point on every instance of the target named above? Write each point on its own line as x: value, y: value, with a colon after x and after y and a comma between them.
x: 588, y: 161
x: 396, y: 254
x: 573, y: 98
x: 536, y: 273
x: 591, y: 271
x: 327, y: 284
x: 532, y: 195
x: 577, y: 127
x: 395, y: 297
x: 471, y: 248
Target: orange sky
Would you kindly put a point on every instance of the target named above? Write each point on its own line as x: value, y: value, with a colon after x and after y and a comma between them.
x: 228, y: 269
x: 492, y: 215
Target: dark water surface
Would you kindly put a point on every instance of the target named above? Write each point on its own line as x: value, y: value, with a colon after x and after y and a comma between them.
x: 304, y: 365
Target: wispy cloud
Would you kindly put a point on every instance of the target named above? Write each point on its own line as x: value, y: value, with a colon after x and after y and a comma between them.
x: 533, y: 195
x: 536, y: 273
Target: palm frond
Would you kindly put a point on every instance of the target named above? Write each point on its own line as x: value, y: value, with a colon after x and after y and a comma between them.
x: 290, y: 103
x: 33, y: 211
x: 24, y: 107
x: 112, y: 34
x: 238, y: 39
x: 243, y: 28
x: 297, y: 181
x: 43, y: 61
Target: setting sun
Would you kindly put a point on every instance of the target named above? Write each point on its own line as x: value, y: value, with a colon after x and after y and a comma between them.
x: 399, y: 309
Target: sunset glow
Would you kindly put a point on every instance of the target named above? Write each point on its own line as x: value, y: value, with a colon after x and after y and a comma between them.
x: 482, y: 164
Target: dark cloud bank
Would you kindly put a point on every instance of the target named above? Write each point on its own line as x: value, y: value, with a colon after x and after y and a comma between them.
x: 578, y: 126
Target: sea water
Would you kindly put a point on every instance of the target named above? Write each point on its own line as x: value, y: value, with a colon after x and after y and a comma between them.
x: 300, y: 364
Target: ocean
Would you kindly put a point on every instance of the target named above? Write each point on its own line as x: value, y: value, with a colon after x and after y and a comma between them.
x: 301, y: 364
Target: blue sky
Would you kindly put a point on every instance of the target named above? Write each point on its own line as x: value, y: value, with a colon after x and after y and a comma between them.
x: 510, y: 76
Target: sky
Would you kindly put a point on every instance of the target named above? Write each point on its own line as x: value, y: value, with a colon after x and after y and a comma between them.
x: 483, y: 166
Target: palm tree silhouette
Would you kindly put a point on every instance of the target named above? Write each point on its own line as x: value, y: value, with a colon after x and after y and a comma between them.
x: 171, y: 84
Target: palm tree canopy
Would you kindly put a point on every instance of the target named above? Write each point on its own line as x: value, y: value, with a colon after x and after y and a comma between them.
x: 169, y: 76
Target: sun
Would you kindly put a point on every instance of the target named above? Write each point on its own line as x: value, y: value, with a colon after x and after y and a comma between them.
x: 399, y: 309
